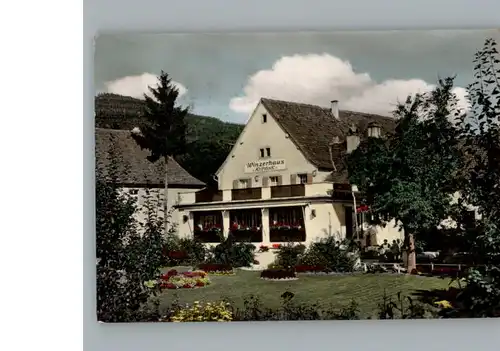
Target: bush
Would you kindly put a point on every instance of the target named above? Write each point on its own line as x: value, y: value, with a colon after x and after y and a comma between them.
x: 183, y: 251
x: 278, y: 274
x: 288, y: 255
x: 198, y: 312
x: 126, y: 260
x: 232, y: 253
x: 330, y: 254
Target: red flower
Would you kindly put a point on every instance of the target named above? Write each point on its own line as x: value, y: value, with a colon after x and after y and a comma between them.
x: 171, y: 273
x: 276, y: 246
x: 187, y: 286
x: 170, y: 286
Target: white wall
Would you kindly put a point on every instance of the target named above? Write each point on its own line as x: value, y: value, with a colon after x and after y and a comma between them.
x: 156, y: 200
x: 255, y: 136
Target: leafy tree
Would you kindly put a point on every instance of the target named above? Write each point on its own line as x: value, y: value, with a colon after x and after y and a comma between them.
x: 409, y: 176
x: 125, y: 258
x: 480, y: 132
x: 162, y: 130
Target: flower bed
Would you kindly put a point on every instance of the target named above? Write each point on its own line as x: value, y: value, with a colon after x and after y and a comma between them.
x: 278, y: 274
x: 184, y: 280
x: 216, y: 269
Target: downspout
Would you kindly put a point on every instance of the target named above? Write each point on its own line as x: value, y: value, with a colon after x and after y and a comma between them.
x: 353, y: 189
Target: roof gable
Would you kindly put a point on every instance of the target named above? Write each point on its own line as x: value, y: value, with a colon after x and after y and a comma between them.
x: 132, y: 166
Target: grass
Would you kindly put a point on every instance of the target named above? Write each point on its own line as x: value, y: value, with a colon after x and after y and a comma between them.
x: 337, y: 291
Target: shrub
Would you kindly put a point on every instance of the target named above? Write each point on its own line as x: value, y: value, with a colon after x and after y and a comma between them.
x: 183, y: 251
x: 288, y: 254
x: 278, y: 274
x: 232, y: 253
x: 126, y: 260
x: 198, y: 312
x: 330, y: 254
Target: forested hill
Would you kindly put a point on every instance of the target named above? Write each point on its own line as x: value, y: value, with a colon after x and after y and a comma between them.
x: 209, y: 138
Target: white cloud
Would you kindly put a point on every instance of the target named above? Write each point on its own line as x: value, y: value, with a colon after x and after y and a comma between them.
x: 137, y: 86
x: 318, y: 79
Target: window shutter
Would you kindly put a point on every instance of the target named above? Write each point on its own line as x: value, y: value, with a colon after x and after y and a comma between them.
x: 280, y: 180
x: 249, y: 182
x: 309, y: 178
x: 265, y: 182
x: 235, y: 184
x: 293, y: 179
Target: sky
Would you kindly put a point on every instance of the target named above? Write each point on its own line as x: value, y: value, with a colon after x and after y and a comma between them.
x: 225, y: 75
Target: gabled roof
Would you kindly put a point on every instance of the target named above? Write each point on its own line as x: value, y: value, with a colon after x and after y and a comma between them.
x: 312, y: 128
x: 132, y: 166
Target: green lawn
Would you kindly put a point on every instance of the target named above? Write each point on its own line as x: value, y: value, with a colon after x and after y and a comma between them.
x: 366, y: 289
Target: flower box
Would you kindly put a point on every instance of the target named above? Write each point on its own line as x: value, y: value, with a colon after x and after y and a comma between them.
x: 263, y: 248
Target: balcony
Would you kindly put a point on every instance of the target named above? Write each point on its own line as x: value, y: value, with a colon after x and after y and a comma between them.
x: 246, y: 194
x: 293, y: 190
x: 208, y: 195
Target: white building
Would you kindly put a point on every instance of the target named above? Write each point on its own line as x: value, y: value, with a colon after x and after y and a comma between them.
x: 286, y: 180
x: 139, y: 177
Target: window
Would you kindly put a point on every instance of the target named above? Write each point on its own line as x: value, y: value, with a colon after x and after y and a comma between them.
x: 243, y: 183
x: 302, y: 178
x: 273, y: 181
x: 264, y: 118
x: 265, y: 152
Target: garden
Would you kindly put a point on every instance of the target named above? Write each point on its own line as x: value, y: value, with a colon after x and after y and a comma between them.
x: 322, y: 279
x: 326, y: 280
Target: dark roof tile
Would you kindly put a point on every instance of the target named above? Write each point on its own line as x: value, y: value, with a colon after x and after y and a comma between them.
x: 313, y: 129
x: 132, y: 166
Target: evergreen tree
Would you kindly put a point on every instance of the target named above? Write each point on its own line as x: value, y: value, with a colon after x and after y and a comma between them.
x: 162, y: 129
x: 409, y: 176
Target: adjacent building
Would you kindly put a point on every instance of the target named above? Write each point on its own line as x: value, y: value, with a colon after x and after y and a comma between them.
x: 121, y: 160
x: 286, y: 179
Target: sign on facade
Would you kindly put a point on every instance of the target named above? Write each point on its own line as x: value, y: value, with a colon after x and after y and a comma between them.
x: 265, y: 166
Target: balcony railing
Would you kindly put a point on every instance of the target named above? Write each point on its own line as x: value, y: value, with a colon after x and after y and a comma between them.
x: 288, y: 190
x: 208, y: 195
x: 246, y: 194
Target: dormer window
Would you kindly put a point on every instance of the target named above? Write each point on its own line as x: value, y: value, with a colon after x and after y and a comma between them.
x: 373, y: 130
x: 264, y: 118
x: 268, y: 151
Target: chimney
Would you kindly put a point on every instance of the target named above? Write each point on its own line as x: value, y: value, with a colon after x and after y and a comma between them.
x: 335, y: 108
